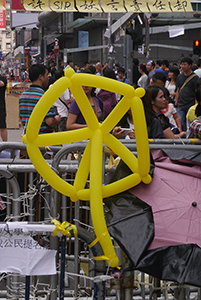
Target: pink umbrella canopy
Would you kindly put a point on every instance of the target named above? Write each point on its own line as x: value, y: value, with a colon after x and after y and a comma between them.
x: 175, y: 197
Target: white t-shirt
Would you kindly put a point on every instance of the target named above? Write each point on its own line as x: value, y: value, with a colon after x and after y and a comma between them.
x: 142, y: 81
x: 169, y: 111
x: 61, y: 108
x: 198, y: 72
x: 170, y: 87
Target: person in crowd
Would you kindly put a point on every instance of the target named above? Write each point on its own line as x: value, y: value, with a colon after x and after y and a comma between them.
x: 86, y: 65
x: 108, y: 98
x: 158, y: 64
x: 70, y: 63
x: 158, y: 79
x: 75, y: 118
x: 143, y: 78
x: 116, y: 67
x: 171, y: 82
x: 165, y: 67
x: 198, y: 70
x: 53, y: 68
x: 155, y: 101
x: 195, y: 125
x: 191, y: 115
x: 150, y: 66
x: 92, y: 69
x: 38, y: 75
x: 121, y: 75
x: 99, y: 69
x: 171, y: 113
x: 154, y: 129
x: 76, y: 68
x: 62, y: 104
x: 51, y: 79
x: 185, y: 92
x: 3, y: 127
x: 136, y: 72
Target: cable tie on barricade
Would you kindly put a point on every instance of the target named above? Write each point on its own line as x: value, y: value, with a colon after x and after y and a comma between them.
x: 64, y: 228
x: 47, y: 148
x: 112, y: 161
x: 98, y: 238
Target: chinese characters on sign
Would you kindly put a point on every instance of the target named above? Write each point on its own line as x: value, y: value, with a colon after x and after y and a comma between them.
x: 159, y: 5
x: 88, y: 5
x: 21, y: 254
x: 36, y: 5
x: 137, y: 6
x: 113, y: 5
x: 181, y: 5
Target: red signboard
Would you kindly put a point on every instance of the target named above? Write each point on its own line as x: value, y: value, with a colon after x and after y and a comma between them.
x: 56, y: 46
x: 17, y: 5
x: 3, y: 17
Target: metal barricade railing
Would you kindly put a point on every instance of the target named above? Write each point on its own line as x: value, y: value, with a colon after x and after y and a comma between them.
x: 55, y: 203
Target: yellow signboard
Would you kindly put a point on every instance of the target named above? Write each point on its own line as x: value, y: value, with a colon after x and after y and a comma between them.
x: 181, y: 5
x: 136, y: 6
x: 113, y: 6
x: 158, y: 6
x: 88, y: 6
x: 60, y: 5
x: 36, y: 5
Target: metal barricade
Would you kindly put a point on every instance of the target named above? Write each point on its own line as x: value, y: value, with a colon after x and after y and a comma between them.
x: 34, y: 201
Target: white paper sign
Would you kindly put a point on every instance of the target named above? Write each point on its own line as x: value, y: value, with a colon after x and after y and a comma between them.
x: 175, y: 31
x: 23, y: 255
x: 107, y: 33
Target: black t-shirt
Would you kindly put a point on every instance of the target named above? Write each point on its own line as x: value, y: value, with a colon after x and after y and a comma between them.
x: 187, y: 93
x: 2, y: 92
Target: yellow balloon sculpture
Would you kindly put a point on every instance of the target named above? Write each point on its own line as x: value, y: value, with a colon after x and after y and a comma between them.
x: 97, y: 134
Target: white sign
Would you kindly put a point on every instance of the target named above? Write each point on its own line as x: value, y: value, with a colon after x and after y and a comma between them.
x: 21, y: 254
x: 175, y: 31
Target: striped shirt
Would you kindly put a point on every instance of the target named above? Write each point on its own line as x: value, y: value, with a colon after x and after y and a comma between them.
x: 28, y: 101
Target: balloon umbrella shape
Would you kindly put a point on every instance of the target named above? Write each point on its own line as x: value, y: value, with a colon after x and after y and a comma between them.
x: 175, y: 198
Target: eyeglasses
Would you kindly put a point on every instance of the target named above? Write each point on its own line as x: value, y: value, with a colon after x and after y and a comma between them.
x: 150, y: 61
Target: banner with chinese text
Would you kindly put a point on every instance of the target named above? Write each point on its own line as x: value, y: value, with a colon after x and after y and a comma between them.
x: 159, y: 6
x: 108, y: 6
x: 36, y: 5
x: 136, y: 6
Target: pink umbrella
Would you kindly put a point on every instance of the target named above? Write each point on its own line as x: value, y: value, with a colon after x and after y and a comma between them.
x: 175, y: 197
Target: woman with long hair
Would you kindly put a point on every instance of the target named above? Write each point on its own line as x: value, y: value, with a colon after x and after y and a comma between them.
x: 171, y: 82
x: 143, y: 78
x: 154, y: 100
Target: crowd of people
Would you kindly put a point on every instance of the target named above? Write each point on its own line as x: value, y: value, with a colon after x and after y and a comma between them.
x: 172, y: 101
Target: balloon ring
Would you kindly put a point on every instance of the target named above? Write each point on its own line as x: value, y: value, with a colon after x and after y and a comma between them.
x: 97, y: 134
